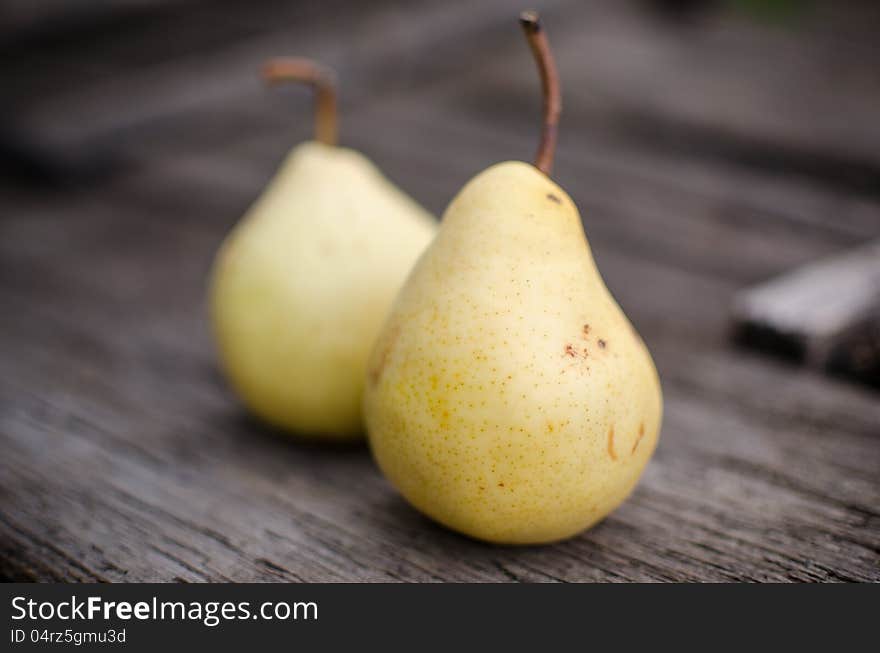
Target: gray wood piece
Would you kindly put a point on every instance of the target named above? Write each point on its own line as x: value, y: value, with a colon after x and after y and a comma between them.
x: 818, y: 312
x: 126, y: 457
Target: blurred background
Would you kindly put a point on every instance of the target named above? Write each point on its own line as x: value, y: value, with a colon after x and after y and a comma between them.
x: 711, y: 147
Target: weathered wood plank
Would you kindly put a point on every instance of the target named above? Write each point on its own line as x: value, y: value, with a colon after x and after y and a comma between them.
x: 704, y: 88
x: 151, y: 86
x: 127, y: 458
x: 217, y: 491
x: 822, y: 313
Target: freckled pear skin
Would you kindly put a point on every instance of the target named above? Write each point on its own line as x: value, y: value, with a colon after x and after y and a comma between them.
x: 301, y: 286
x: 508, y: 396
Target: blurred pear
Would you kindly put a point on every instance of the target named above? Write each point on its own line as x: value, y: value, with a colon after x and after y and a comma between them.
x: 301, y: 286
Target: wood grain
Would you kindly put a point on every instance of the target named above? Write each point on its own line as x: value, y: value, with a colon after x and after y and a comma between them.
x: 125, y: 456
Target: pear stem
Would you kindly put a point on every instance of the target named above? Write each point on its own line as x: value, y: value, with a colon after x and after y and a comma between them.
x: 323, y: 80
x: 537, y: 39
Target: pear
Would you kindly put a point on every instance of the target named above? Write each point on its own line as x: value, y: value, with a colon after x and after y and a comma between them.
x: 508, y: 397
x: 302, y: 284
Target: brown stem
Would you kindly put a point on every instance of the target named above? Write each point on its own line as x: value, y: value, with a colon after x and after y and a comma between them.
x: 531, y: 25
x: 322, y: 79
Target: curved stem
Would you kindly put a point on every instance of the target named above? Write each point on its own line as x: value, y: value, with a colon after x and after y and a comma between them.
x: 549, y: 87
x: 322, y: 79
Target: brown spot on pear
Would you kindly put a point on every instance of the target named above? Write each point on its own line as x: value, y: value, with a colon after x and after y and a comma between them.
x: 639, y: 438
x: 611, y: 453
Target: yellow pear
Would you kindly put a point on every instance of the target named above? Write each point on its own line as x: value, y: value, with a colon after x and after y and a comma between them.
x: 508, y: 397
x: 301, y: 286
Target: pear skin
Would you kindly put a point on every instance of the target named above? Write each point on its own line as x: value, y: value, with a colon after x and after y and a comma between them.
x: 301, y: 286
x: 508, y: 396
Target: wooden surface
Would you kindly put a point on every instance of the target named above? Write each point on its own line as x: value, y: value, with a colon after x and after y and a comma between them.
x: 704, y: 157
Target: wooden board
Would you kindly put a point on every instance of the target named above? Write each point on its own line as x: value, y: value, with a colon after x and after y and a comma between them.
x: 826, y: 314
x: 125, y: 456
